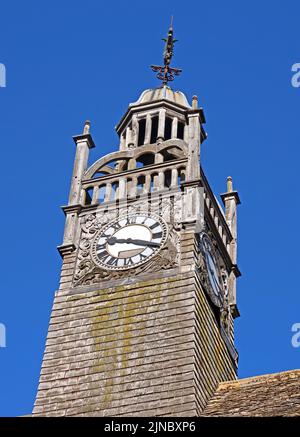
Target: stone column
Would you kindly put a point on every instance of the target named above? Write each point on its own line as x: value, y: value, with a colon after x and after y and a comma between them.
x: 135, y: 130
x: 148, y: 183
x: 161, y: 125
x: 186, y: 133
x: 231, y: 200
x: 122, y: 188
x: 158, y: 159
x: 174, y: 178
x: 95, y: 195
x: 194, y: 140
x: 122, y: 142
x: 133, y: 187
x: 84, y: 143
x: 132, y: 164
x: 129, y: 138
x: 161, y: 180
x: 148, y: 129
x: 174, y: 127
x: 108, y: 191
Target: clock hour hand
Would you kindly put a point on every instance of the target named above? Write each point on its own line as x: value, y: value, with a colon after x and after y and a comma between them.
x: 114, y: 240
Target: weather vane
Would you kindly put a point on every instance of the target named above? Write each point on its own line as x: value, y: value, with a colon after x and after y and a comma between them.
x: 166, y: 73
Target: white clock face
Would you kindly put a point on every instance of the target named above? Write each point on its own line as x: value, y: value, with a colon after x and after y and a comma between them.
x: 129, y: 241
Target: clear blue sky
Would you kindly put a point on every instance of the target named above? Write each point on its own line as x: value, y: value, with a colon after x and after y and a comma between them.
x: 68, y: 61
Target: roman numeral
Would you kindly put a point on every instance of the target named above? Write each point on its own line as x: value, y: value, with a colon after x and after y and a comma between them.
x: 154, y: 226
x: 109, y: 234
x: 102, y: 255
x: 128, y: 262
x: 157, y: 235
x: 100, y: 246
x: 112, y: 262
x: 142, y: 257
x: 131, y: 220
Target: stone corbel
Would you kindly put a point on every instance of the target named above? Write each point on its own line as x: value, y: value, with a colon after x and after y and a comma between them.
x: 66, y: 249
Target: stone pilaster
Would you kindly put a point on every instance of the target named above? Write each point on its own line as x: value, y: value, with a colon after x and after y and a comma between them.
x: 231, y: 200
x: 84, y: 143
x: 194, y: 141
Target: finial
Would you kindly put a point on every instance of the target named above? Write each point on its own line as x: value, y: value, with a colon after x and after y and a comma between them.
x: 86, y: 129
x: 195, y: 102
x: 166, y: 73
x: 171, y: 24
x: 229, y: 184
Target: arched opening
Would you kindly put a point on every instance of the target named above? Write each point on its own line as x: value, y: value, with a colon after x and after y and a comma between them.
x: 100, y: 173
x: 111, y: 167
x: 142, y: 130
x: 154, y: 130
x: 168, y: 128
x: 154, y: 182
x: 129, y: 184
x: 140, y: 185
x: 181, y: 175
x: 168, y: 178
x: 101, y: 193
x: 180, y: 130
x: 114, y: 195
x: 171, y: 153
x: 88, y: 196
x: 145, y: 159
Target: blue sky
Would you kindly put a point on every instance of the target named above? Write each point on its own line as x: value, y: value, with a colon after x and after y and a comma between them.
x: 67, y: 61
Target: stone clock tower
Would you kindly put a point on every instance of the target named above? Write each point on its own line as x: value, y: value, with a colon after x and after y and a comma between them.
x: 142, y: 323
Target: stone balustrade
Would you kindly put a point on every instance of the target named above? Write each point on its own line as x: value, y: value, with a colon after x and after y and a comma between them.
x: 142, y: 181
x: 133, y: 183
x: 215, y: 211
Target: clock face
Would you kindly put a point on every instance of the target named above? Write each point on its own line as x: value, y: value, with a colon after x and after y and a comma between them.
x: 213, y: 271
x: 129, y: 241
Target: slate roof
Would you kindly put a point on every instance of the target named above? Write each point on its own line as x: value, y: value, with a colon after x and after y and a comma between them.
x: 276, y: 394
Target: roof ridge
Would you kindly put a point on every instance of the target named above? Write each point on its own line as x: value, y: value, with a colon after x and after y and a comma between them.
x: 256, y: 378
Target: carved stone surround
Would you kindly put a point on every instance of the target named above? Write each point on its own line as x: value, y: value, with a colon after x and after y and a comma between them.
x: 87, y: 272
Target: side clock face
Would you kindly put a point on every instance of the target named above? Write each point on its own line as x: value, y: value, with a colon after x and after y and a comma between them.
x: 213, y: 272
x: 129, y: 241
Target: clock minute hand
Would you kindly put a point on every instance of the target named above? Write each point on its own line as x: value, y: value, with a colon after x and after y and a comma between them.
x: 114, y: 240
x: 143, y: 242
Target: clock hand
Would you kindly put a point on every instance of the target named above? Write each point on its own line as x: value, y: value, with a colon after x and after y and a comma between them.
x: 143, y: 242
x: 114, y: 240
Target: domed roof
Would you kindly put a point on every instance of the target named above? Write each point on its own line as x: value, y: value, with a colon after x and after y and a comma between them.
x: 162, y: 93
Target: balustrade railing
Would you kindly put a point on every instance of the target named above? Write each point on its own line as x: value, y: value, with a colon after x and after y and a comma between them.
x: 216, y: 213
x: 147, y: 180
x: 140, y: 181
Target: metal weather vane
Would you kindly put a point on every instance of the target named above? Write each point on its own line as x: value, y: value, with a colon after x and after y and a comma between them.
x: 165, y: 72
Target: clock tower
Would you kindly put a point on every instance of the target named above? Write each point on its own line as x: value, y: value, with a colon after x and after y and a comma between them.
x: 143, y: 321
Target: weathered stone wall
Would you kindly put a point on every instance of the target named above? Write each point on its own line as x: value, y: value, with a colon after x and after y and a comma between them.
x: 152, y: 347
x: 67, y: 271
